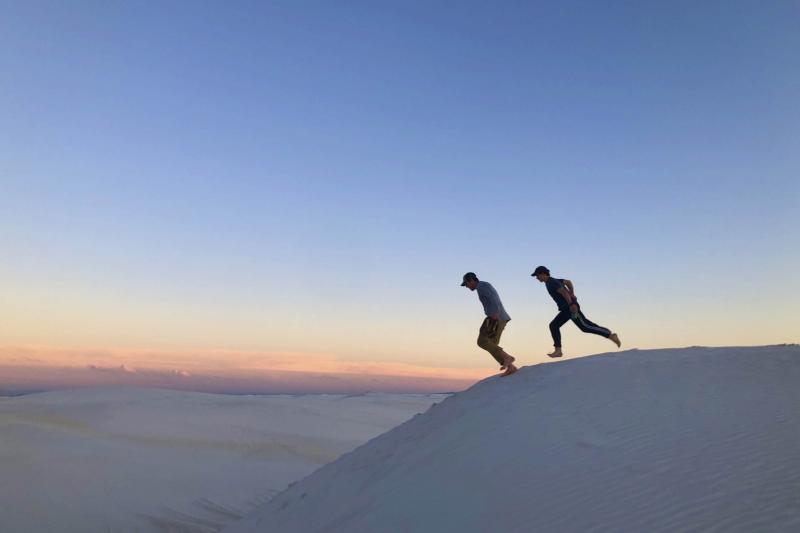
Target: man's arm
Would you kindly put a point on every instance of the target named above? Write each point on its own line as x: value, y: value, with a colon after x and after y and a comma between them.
x: 489, y: 307
x: 573, y: 307
x: 569, y: 285
x: 566, y: 294
x: 489, y: 299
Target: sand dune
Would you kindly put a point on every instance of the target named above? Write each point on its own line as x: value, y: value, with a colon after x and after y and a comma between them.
x: 125, y: 460
x: 697, y: 439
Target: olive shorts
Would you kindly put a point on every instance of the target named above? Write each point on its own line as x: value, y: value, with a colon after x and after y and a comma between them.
x: 489, y: 336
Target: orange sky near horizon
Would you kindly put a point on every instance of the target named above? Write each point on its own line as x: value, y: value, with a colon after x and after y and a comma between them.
x: 46, y: 367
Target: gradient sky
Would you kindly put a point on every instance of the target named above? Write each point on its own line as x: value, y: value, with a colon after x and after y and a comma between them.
x: 208, y: 185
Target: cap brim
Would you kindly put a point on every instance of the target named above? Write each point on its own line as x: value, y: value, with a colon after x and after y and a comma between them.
x: 463, y: 283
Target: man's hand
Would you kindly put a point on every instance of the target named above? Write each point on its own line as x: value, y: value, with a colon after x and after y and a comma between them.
x: 495, y: 317
x: 490, y: 327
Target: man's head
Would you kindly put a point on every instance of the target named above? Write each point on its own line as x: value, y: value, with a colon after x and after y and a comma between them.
x: 470, y: 281
x: 541, y: 273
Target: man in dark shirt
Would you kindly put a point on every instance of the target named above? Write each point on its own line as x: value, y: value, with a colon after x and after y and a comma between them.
x: 563, y: 293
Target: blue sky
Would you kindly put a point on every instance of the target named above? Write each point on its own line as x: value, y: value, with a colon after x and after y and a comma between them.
x: 316, y: 176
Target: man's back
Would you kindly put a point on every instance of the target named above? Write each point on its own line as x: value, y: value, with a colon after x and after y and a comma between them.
x: 553, y: 284
x: 491, y: 301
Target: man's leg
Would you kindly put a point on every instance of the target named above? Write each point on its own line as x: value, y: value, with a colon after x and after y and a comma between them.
x: 508, y: 360
x: 555, y: 330
x: 489, y: 342
x: 587, y: 326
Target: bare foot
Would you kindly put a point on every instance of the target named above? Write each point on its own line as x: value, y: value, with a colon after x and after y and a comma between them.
x: 507, y: 361
x: 615, y: 339
x: 510, y: 370
x: 555, y: 353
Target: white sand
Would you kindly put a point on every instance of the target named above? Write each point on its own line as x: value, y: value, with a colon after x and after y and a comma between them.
x: 124, y: 460
x: 698, y: 439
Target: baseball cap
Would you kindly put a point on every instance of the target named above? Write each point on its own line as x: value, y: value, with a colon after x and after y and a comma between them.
x: 541, y: 270
x: 468, y: 276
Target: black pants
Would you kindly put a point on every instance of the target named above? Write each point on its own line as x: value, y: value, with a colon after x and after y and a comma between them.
x: 585, y: 325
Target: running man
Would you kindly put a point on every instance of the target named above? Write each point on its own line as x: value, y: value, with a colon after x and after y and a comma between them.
x: 563, y: 293
x: 494, y: 323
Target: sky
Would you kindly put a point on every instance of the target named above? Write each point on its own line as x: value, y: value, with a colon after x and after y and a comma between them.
x: 273, y: 195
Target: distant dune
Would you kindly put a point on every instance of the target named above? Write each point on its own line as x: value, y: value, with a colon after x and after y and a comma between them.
x: 696, y: 439
x: 143, y: 460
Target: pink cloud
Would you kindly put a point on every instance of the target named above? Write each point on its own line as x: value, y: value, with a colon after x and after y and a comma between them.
x: 221, y: 370
x: 121, y: 368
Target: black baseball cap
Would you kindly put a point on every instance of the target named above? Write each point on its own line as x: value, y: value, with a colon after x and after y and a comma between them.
x: 541, y: 270
x: 468, y: 276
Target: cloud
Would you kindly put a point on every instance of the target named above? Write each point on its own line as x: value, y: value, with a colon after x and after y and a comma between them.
x: 124, y: 369
x: 121, y: 368
x: 222, y: 370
